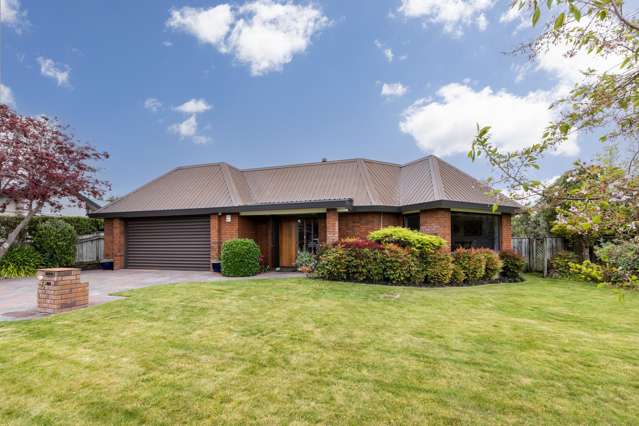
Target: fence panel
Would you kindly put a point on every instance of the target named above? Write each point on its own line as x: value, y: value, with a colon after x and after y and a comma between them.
x: 537, y: 251
x: 90, y: 248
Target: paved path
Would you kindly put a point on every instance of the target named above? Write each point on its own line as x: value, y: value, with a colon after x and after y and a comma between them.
x: 18, y: 297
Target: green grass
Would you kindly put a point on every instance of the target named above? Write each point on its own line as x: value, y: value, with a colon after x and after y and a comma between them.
x: 303, y: 351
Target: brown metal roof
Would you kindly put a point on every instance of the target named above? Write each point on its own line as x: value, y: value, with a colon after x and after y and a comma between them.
x: 363, y: 183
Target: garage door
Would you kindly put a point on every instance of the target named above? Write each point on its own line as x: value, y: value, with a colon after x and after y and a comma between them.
x: 181, y: 243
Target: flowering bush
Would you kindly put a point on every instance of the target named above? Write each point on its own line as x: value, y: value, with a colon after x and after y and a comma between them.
x: 305, y: 261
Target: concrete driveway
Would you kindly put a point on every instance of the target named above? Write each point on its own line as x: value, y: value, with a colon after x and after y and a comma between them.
x: 18, y: 297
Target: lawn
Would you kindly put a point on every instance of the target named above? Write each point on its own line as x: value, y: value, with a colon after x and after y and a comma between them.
x: 303, y: 351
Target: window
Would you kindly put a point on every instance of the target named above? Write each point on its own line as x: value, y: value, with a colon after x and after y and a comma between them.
x: 308, y: 235
x: 411, y: 221
x: 473, y: 230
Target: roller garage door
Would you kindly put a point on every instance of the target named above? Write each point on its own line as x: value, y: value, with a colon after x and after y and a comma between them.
x: 181, y: 243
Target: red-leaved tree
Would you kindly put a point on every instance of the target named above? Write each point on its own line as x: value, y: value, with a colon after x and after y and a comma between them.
x: 41, y: 164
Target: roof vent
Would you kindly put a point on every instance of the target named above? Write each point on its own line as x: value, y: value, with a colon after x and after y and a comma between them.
x: 324, y: 160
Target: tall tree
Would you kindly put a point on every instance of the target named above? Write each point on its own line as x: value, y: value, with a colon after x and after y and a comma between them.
x: 605, y: 101
x: 41, y: 164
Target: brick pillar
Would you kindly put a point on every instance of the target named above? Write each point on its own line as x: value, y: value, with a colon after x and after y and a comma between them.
x: 506, y: 232
x: 114, y: 241
x: 229, y: 227
x: 332, y: 226
x: 215, y: 237
x: 436, y: 222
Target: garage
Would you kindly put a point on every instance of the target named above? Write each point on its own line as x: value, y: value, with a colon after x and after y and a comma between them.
x: 180, y: 243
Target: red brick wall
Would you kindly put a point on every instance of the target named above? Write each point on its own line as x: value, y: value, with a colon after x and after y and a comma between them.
x: 332, y: 226
x: 359, y: 225
x: 114, y: 241
x: 436, y: 222
x: 506, y: 232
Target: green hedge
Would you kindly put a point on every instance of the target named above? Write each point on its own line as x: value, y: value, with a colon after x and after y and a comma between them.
x: 55, y: 240
x: 471, y: 262
x: 513, y: 265
x: 82, y: 225
x: 407, y: 238
x: 240, y: 258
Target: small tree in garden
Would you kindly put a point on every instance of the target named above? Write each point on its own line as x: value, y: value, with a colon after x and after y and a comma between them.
x: 41, y: 164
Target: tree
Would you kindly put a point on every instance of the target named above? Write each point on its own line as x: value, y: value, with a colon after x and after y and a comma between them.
x: 41, y: 164
x: 606, y: 101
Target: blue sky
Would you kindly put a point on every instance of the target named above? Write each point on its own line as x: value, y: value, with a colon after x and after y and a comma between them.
x: 280, y: 82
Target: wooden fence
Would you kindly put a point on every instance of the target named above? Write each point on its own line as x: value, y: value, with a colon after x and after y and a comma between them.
x: 537, y: 251
x: 89, y: 248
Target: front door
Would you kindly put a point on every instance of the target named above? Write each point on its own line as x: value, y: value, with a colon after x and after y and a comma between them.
x: 288, y: 242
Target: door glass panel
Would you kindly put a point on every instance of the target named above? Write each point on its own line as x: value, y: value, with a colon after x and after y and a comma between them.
x: 308, y: 235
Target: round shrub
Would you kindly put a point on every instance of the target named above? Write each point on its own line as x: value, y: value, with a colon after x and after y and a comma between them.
x: 512, y: 265
x: 346, y: 262
x: 55, y: 241
x: 559, y: 264
x: 401, y: 266
x: 407, y: 238
x: 471, y: 262
x: 332, y: 264
x: 438, y: 268
x: 20, y: 261
x: 240, y: 258
x: 492, y: 264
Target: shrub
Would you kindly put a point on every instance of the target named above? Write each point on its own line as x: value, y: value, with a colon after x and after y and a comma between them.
x: 350, y: 264
x: 20, y: 261
x: 305, y: 261
x: 55, y: 241
x: 357, y: 243
x: 471, y: 262
x: 512, y: 265
x: 407, y: 238
x: 401, y: 266
x: 457, y: 277
x: 621, y: 260
x: 492, y: 263
x: 559, y: 264
x: 438, y: 268
x: 82, y: 225
x: 588, y: 271
x: 240, y: 258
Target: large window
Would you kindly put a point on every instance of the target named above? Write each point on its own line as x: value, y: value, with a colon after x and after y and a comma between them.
x: 472, y: 230
x: 308, y: 235
x: 411, y: 221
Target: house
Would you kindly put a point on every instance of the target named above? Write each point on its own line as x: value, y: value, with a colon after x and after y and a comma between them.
x: 181, y: 219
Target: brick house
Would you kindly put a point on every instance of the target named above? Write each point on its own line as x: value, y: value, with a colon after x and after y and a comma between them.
x: 181, y: 219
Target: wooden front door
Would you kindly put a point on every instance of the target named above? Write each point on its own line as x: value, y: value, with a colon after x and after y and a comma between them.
x: 288, y: 242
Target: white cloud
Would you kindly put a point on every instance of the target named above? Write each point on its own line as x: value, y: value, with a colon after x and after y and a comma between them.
x: 167, y: 43
x: 393, y: 89
x: 387, y: 51
x: 201, y: 140
x: 6, y: 95
x: 447, y: 126
x: 185, y: 129
x: 152, y: 104
x: 263, y: 34
x: 194, y: 106
x: 59, y: 72
x: 11, y: 14
x: 453, y: 15
x: 207, y: 25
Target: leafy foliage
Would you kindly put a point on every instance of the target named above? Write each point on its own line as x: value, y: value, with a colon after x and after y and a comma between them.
x: 306, y: 261
x: 471, y: 262
x: 240, y: 258
x: 55, y: 241
x: 588, y: 271
x: 40, y: 164
x: 407, y: 238
x: 457, y: 277
x: 559, y: 264
x: 401, y: 266
x: 20, y: 261
x: 621, y: 260
x: 351, y: 264
x: 512, y: 265
x: 492, y: 264
x: 438, y: 268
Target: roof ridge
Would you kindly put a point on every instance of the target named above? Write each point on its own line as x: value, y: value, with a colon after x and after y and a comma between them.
x: 438, y: 186
x: 366, y: 178
x: 426, y: 157
x: 230, y: 184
